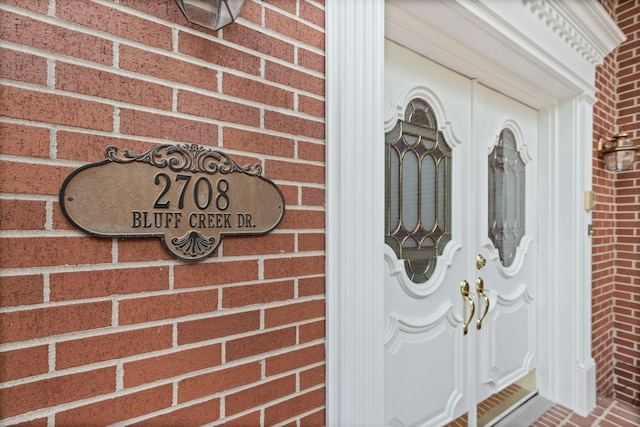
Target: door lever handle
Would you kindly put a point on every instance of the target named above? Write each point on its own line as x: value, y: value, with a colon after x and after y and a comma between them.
x: 480, y: 289
x: 465, y: 291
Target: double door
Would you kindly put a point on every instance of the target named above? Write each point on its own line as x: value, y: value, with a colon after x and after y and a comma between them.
x: 460, y: 259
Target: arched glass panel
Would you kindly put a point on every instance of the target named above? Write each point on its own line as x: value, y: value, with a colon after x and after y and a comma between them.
x: 417, y: 190
x: 506, y: 197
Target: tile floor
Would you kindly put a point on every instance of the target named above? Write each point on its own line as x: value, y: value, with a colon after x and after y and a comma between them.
x: 608, y: 413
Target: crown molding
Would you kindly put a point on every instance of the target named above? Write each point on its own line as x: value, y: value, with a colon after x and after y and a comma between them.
x: 583, y: 25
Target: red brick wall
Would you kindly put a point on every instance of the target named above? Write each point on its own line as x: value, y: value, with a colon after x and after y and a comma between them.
x: 100, y: 331
x: 616, y: 245
x: 627, y: 189
x: 603, y: 239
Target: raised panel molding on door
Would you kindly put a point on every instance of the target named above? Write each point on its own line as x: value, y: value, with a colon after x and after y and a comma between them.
x: 501, y: 368
x: 410, y: 342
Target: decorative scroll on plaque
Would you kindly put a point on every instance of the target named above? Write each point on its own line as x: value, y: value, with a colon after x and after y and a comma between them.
x: 188, y: 195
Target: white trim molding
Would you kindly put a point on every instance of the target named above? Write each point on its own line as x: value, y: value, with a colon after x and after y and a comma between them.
x: 355, y: 212
x: 590, y: 31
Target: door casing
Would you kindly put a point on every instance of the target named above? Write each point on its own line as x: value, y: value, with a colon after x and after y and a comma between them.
x: 531, y: 51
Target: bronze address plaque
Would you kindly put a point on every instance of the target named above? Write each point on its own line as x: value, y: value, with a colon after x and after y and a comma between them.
x: 188, y: 195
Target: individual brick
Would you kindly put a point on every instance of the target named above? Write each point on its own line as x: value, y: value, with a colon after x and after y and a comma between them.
x: 294, y: 406
x: 100, y: 348
x: 294, y: 28
x: 293, y: 267
x: 214, y: 382
x: 24, y: 325
x: 257, y: 91
x: 259, y: 245
x: 25, y: 362
x: 170, y: 365
x: 294, y: 359
x: 23, y: 67
x: 31, y: 396
x: 294, y: 171
x: 40, y: 35
x: 100, y: 283
x: 254, y: 142
x: 295, y: 78
x: 216, y: 53
x: 23, y: 140
x: 167, y: 68
x: 259, y: 42
x: 150, y: 308
x: 260, y: 394
x: 21, y: 290
x: 49, y: 251
x: 194, y: 415
x: 293, y: 313
x: 261, y: 293
x: 119, y: 408
x: 191, y: 276
x: 92, y: 148
x: 142, y: 123
x: 217, y: 109
x: 303, y: 219
x: 22, y: 214
x: 260, y: 343
x: 293, y: 125
x: 102, y: 84
x: 54, y: 108
x: 116, y: 22
x: 217, y: 327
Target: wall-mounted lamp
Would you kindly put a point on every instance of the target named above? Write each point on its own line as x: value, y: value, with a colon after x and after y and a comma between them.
x: 213, y: 14
x: 619, y: 153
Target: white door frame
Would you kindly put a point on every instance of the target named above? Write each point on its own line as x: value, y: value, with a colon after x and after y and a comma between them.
x: 540, y: 52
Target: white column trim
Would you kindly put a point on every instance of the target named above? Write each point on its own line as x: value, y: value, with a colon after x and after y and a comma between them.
x: 355, y: 212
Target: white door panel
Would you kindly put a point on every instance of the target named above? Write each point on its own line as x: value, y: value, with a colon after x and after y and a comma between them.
x: 434, y: 373
x: 508, y: 338
x: 425, y: 383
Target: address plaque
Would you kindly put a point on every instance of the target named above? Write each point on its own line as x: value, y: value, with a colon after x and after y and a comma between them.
x: 188, y: 195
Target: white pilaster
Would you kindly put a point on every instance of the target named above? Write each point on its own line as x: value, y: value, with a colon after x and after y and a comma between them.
x: 355, y: 212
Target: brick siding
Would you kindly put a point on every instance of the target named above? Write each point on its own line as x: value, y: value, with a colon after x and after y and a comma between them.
x: 616, y: 244
x: 100, y: 331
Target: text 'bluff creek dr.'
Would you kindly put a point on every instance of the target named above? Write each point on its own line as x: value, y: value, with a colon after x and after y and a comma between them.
x: 155, y: 219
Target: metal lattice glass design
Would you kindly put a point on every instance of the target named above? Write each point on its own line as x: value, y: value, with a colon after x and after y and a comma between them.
x: 506, y: 197
x: 418, y: 190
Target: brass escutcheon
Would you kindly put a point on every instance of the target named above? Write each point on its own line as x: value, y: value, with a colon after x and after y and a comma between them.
x: 480, y: 262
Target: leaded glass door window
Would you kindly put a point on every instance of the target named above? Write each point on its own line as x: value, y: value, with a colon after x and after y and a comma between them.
x: 418, y: 190
x: 506, y: 197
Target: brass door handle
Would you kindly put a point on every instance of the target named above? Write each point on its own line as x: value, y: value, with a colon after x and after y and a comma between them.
x: 480, y: 289
x: 465, y: 291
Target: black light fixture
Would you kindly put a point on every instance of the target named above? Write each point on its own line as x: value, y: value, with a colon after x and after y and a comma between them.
x: 619, y: 153
x: 212, y: 14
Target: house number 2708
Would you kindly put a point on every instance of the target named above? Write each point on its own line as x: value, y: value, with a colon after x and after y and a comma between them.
x: 221, y: 199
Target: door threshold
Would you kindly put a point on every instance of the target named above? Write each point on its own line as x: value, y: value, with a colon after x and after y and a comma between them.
x: 527, y: 413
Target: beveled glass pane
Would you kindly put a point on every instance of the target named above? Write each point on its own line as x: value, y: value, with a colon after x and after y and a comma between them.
x: 394, y: 190
x: 409, y: 243
x: 428, y: 192
x: 410, y: 196
x: 506, y: 197
x: 442, y: 189
x: 511, y: 199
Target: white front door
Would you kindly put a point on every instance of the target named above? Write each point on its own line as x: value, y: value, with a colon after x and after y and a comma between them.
x: 460, y: 187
